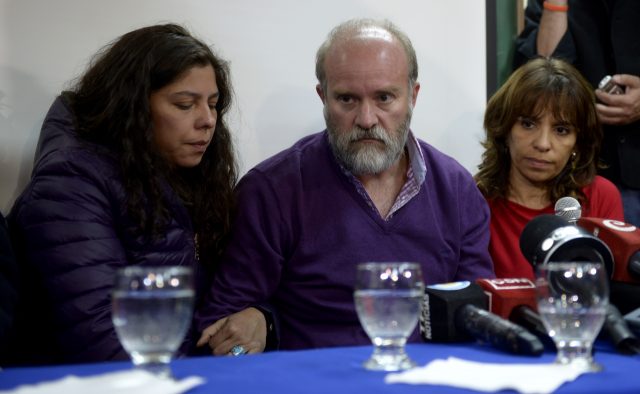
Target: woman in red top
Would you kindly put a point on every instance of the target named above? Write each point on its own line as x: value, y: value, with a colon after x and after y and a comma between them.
x: 542, y: 143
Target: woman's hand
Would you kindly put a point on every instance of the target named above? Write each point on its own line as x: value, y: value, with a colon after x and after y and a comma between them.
x: 247, y: 328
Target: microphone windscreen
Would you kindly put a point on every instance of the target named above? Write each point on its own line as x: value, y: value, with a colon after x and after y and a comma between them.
x: 568, y: 208
x: 506, y: 294
x: 441, y: 304
x: 515, y: 299
x: 535, y: 231
x: 457, y: 312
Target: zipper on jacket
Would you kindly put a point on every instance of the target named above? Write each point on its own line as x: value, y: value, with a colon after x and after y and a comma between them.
x: 196, y: 247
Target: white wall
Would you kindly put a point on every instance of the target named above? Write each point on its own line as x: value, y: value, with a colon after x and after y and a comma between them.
x: 271, y: 45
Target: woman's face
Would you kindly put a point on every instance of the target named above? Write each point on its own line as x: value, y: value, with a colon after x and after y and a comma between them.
x: 539, y: 148
x: 184, y: 116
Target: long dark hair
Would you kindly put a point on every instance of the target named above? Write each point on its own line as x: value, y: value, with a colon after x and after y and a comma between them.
x: 538, y: 85
x: 111, y: 104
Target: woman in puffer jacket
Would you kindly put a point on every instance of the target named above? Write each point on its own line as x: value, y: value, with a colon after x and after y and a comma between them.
x: 135, y: 166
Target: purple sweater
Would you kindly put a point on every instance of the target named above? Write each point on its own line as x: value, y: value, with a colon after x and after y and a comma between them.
x: 302, y: 227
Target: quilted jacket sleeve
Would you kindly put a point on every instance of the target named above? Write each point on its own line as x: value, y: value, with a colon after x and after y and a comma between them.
x: 71, y: 249
x: 8, y: 291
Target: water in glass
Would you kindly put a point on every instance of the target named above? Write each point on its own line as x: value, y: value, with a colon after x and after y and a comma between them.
x: 152, y: 309
x: 388, y: 297
x: 572, y: 301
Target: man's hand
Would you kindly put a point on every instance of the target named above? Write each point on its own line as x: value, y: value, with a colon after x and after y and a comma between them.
x: 247, y: 328
x: 620, y: 109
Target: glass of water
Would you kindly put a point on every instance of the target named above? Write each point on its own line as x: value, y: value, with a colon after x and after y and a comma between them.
x: 152, y: 310
x: 572, y: 301
x: 388, y: 298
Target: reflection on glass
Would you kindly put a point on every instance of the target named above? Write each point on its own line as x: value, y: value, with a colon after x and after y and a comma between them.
x: 388, y: 297
x: 152, y: 309
x: 572, y: 302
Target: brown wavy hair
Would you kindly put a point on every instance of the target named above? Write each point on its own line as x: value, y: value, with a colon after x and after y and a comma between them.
x: 539, y: 85
x: 110, y: 102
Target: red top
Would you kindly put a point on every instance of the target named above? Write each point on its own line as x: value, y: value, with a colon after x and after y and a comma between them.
x: 509, y: 218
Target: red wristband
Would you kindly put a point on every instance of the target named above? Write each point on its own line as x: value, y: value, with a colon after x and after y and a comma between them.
x: 555, y: 7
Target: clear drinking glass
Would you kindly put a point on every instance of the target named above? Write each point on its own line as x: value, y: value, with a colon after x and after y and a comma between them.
x: 572, y: 301
x: 388, y: 298
x: 152, y: 310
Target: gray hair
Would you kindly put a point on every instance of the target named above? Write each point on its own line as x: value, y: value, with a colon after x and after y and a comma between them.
x: 349, y: 29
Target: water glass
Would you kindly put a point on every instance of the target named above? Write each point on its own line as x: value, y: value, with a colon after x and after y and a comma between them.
x: 572, y: 301
x: 388, y: 299
x: 152, y: 311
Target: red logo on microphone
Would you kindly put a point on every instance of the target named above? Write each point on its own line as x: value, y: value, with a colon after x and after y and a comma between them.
x: 619, y: 226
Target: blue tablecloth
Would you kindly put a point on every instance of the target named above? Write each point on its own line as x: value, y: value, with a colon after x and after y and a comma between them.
x: 339, y: 370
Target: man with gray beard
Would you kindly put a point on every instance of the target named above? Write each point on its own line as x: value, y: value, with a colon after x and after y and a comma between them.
x: 363, y: 190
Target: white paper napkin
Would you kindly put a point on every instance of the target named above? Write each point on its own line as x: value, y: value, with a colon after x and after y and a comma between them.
x: 122, y: 382
x: 525, y: 378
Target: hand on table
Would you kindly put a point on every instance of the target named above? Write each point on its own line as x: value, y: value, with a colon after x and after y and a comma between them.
x: 247, y: 328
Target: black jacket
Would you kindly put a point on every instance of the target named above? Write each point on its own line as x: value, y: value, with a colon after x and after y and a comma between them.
x: 8, y: 291
x: 71, y: 232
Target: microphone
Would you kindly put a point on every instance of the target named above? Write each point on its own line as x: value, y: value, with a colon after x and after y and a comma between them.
x: 568, y: 208
x: 624, y: 241
x: 515, y: 299
x: 633, y: 320
x: 457, y: 312
x: 548, y: 238
x: 621, y: 335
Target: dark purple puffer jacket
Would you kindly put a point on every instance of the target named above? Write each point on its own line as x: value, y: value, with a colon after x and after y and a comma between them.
x: 71, y: 233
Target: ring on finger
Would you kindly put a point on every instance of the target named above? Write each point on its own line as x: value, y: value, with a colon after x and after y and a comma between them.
x: 238, y: 350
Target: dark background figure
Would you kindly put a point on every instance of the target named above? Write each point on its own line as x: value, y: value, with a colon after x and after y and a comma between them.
x: 599, y: 37
x: 134, y: 166
x: 8, y: 290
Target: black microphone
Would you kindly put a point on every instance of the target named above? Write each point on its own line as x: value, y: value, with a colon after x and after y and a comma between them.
x: 548, y: 238
x: 624, y: 241
x: 457, y: 312
x: 624, y: 340
x: 633, y: 320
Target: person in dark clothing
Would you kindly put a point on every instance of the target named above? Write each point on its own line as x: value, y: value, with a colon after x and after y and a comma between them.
x: 134, y: 166
x: 599, y: 37
x: 8, y: 291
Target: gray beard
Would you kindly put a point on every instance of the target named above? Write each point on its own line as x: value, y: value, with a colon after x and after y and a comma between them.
x: 367, y: 159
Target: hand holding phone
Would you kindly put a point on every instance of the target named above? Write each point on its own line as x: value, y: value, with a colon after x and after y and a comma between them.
x: 608, y: 86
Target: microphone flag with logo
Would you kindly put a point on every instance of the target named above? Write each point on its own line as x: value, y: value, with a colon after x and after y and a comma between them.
x: 456, y: 311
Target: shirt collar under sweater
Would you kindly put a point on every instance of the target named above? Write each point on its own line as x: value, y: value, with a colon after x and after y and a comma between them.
x: 416, y: 173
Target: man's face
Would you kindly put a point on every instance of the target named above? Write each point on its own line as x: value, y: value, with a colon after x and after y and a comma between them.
x: 368, y: 103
